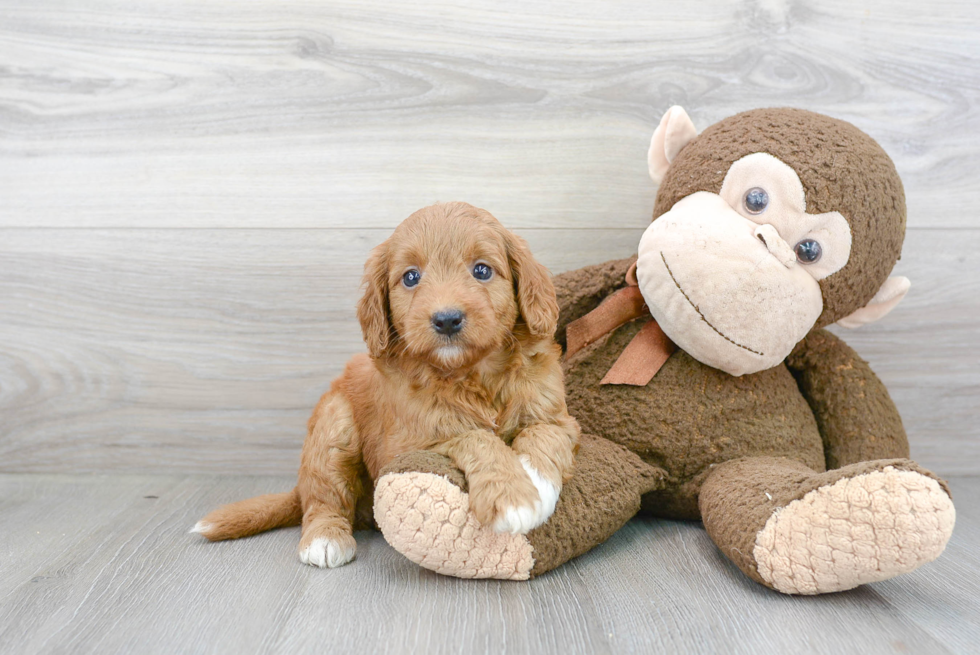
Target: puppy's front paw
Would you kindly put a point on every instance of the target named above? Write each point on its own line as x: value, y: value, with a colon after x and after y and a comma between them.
x: 517, y: 520
x: 327, y: 552
x: 522, y: 519
x: 548, y: 492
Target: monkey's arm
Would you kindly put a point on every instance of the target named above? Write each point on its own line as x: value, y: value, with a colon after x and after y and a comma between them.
x: 856, y: 417
x: 580, y: 291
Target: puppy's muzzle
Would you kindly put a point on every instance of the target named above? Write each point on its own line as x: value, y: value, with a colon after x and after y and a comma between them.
x: 448, y: 322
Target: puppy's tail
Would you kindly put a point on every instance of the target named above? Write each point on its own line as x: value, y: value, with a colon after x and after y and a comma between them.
x: 252, y: 516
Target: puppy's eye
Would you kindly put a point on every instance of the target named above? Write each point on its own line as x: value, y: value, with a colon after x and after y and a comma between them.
x: 756, y: 200
x: 808, y: 251
x: 411, y: 277
x: 482, y: 272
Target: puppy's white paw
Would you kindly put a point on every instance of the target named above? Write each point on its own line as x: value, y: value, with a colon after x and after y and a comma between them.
x: 326, y: 553
x: 547, y: 492
x: 521, y: 520
x: 518, y: 520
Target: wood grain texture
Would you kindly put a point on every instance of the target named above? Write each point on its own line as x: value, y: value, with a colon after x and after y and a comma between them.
x: 188, y: 191
x: 114, y: 571
x: 346, y: 113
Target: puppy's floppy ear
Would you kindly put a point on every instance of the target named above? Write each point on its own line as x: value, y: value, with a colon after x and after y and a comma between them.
x: 372, y: 308
x: 534, y: 288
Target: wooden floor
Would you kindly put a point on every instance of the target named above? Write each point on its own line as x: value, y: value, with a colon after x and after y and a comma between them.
x: 104, y: 564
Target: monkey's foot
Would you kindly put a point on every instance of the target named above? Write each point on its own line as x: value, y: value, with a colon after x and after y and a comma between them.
x: 426, y: 517
x: 860, y: 529
x: 421, y: 505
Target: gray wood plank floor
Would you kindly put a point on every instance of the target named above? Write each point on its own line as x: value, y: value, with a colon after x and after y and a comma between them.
x: 104, y: 564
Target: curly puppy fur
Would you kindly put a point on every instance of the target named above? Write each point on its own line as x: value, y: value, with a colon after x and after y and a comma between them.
x: 490, y: 397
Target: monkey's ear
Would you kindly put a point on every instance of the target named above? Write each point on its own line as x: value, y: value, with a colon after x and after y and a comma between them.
x: 888, y: 296
x: 674, y: 132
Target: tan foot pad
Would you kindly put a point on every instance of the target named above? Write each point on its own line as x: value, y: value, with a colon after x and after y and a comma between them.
x: 427, y: 519
x: 863, y: 529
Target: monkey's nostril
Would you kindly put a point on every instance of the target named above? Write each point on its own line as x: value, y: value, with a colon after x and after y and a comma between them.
x: 448, y: 322
x: 774, y: 243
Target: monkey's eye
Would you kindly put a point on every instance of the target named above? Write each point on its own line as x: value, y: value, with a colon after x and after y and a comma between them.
x: 411, y: 277
x: 808, y: 251
x: 482, y: 272
x: 756, y: 200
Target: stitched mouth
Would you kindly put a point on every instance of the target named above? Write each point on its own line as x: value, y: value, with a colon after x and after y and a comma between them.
x: 698, y: 310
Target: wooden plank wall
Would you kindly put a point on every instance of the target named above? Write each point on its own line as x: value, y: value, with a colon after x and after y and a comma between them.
x: 188, y: 190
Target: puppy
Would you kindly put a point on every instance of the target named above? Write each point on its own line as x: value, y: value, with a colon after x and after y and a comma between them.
x: 459, y: 320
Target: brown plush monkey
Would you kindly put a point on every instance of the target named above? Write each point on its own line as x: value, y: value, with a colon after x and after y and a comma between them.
x: 706, y: 381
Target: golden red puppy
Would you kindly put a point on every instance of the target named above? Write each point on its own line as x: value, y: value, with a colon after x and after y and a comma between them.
x: 459, y: 320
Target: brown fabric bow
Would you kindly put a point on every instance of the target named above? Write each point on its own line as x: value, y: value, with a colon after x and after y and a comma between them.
x: 645, y: 353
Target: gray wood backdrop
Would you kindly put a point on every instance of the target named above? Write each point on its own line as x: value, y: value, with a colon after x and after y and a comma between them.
x: 188, y: 190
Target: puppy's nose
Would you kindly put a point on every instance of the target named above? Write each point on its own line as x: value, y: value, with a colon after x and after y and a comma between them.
x: 448, y: 321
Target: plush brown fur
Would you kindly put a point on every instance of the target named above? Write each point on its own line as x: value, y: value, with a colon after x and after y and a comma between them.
x: 481, y: 397
x: 692, y: 417
x: 822, y: 409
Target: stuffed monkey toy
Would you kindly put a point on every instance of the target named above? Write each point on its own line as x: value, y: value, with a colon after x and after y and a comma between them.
x: 705, y: 384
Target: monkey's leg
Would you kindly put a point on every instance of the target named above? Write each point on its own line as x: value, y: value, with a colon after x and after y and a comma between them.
x: 802, y: 532
x: 421, y: 505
